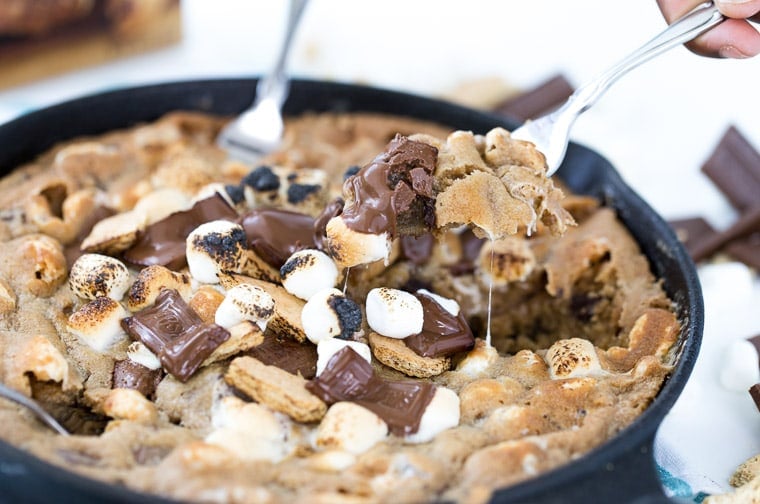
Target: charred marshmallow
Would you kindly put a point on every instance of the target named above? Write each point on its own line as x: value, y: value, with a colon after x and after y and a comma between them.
x: 330, y: 314
x: 98, y: 323
x: 307, y: 272
x: 96, y: 275
x: 245, y: 302
x: 214, y: 247
x: 394, y: 313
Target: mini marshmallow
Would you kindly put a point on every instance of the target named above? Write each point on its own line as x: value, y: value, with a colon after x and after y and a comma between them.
x: 394, y: 313
x: 739, y: 368
x: 573, y: 358
x: 308, y: 271
x: 450, y: 305
x: 161, y: 203
x: 245, y: 302
x: 442, y: 413
x: 98, y: 323
x: 95, y: 275
x: 248, y: 430
x: 140, y: 354
x: 349, y: 427
x: 478, y: 360
x: 330, y: 314
x: 330, y: 346
x: 352, y: 248
x: 151, y: 281
x: 214, y: 247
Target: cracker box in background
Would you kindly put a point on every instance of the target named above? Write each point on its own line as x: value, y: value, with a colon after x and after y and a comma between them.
x: 42, y: 38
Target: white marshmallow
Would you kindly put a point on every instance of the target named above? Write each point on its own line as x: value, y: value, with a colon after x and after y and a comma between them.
x: 740, y: 366
x: 329, y: 314
x: 330, y: 346
x: 214, y: 247
x: 573, y: 358
x: 140, y: 354
x: 248, y: 430
x: 245, y: 302
x: 349, y: 427
x: 210, y: 190
x: 95, y: 275
x: 478, y: 360
x: 442, y: 413
x: 161, y: 203
x: 394, y: 313
x: 98, y: 323
x: 307, y: 272
x: 450, y: 305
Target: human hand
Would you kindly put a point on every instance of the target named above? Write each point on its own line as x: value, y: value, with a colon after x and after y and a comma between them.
x: 734, y: 38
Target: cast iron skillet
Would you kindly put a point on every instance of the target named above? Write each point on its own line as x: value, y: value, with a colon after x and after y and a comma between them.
x: 621, y: 470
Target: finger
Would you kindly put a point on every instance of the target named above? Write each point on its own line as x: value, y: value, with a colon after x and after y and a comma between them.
x: 673, y: 9
x: 739, y: 9
x: 733, y: 38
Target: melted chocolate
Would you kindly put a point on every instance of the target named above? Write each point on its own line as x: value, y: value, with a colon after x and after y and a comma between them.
x: 471, y: 246
x: 389, y: 185
x: 163, y: 242
x: 129, y: 374
x: 176, y: 334
x: 276, y: 234
x: 333, y: 209
x: 442, y: 333
x: 348, y: 377
x: 287, y: 354
x: 417, y: 249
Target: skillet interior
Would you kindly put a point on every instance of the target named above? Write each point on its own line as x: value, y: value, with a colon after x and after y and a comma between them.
x: 584, y: 171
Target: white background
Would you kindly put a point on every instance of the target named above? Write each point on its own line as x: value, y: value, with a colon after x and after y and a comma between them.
x: 657, y: 125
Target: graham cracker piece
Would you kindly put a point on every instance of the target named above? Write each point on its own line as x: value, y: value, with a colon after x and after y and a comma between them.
x: 275, y: 388
x: 286, y: 321
x: 395, y: 354
x: 746, y: 472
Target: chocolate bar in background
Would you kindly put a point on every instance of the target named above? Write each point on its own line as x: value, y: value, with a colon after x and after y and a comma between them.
x: 734, y: 167
x: 541, y: 99
x: 692, y: 231
x: 746, y: 250
x: 747, y: 225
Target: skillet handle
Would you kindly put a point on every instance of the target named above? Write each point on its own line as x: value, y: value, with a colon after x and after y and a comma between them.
x: 631, y: 478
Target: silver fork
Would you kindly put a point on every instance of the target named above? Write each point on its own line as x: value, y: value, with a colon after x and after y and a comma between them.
x: 551, y: 132
x: 34, y: 407
x: 258, y: 130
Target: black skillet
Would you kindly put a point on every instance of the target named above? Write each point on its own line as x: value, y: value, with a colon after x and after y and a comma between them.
x: 620, y: 471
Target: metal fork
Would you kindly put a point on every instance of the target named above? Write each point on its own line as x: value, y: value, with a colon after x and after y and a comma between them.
x: 258, y: 130
x: 34, y: 407
x: 550, y: 133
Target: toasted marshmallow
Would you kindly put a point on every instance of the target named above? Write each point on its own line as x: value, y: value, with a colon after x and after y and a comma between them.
x: 98, y: 323
x: 352, y: 248
x: 212, y: 189
x: 739, y: 369
x: 506, y: 260
x: 349, y: 427
x: 214, y: 247
x: 330, y: 346
x: 448, y: 304
x: 478, y: 360
x: 573, y: 358
x: 95, y: 275
x: 114, y: 234
x: 151, y: 281
x: 248, y: 430
x: 442, y: 413
x: 330, y: 314
x: 140, y: 354
x: 159, y: 204
x: 308, y: 271
x: 394, y: 313
x: 245, y: 302
x: 129, y: 404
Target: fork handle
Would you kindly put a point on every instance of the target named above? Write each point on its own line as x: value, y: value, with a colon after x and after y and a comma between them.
x: 700, y: 19
x: 275, y: 84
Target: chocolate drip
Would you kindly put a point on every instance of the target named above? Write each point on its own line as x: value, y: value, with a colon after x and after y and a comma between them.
x: 163, y: 242
x: 348, y: 377
x: 276, y: 234
x: 442, y: 333
x: 176, y: 334
x: 391, y: 184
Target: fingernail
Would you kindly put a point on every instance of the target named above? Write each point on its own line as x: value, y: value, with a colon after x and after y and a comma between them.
x: 729, y: 51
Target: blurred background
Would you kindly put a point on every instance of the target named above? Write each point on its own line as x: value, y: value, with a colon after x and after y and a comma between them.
x: 657, y: 125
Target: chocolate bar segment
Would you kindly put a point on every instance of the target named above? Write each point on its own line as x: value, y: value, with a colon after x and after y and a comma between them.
x: 734, y: 166
x: 287, y: 354
x: 130, y: 374
x: 746, y: 250
x: 348, y: 377
x: 543, y: 98
x: 754, y: 392
x: 276, y: 234
x: 163, y: 242
x: 442, y: 333
x: 176, y: 334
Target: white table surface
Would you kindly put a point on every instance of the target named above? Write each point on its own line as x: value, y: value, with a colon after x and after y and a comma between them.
x: 657, y: 125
